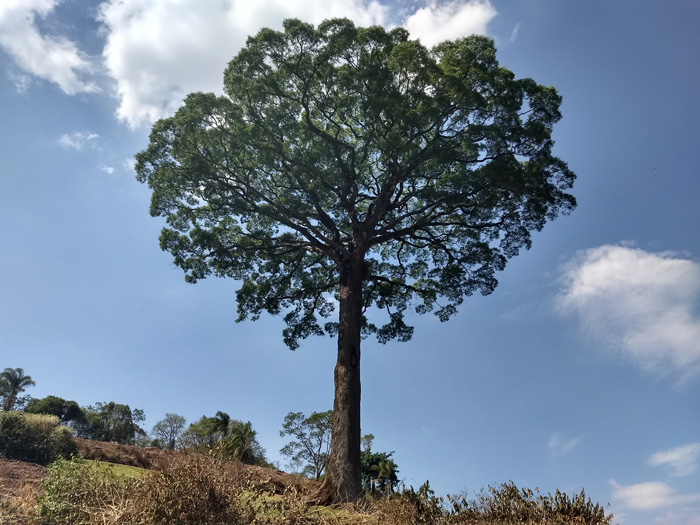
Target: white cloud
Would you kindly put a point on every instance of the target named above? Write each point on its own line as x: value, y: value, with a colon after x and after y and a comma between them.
x: 52, y: 58
x: 560, y: 446
x: 159, y: 50
x: 21, y: 81
x: 515, y: 32
x: 642, y: 303
x: 107, y: 169
x: 650, y: 495
x: 683, y: 460
x: 439, y: 21
x: 129, y: 164
x: 682, y: 516
x: 156, y: 51
x: 77, y: 141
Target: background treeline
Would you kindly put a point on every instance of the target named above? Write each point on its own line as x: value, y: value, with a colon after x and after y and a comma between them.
x: 208, y: 484
x: 307, y: 451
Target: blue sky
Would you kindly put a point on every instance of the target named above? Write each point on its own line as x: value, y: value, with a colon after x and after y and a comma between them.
x: 581, y: 370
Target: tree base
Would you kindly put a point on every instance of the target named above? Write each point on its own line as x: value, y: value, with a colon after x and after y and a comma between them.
x: 328, y: 495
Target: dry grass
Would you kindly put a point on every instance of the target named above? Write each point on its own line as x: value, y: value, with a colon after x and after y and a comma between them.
x: 198, y: 489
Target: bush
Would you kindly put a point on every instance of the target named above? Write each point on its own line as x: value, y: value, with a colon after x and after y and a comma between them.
x: 34, y: 437
x: 192, y: 489
x: 189, y: 490
x: 502, y: 505
x: 75, y: 493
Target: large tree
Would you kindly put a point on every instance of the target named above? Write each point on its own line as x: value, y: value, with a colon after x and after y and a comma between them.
x: 354, y: 165
x: 12, y: 383
x: 66, y: 411
x: 111, y: 422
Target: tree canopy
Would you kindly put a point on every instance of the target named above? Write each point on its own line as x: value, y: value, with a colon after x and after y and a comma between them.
x: 354, y: 165
x: 66, y: 411
x: 13, y: 381
x: 379, y: 470
x: 111, y: 422
x: 227, y: 436
x: 312, y: 440
x: 168, y: 430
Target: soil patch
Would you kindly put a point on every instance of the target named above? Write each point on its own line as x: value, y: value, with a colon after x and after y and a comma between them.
x: 16, y: 474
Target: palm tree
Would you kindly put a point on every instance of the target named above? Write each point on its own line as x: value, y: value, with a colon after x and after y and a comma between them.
x: 12, y: 383
x: 222, y: 422
x: 386, y: 470
x: 239, y: 440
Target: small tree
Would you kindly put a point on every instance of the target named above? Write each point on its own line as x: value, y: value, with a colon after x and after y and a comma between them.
x: 12, y: 383
x: 379, y: 470
x: 386, y: 470
x: 354, y: 165
x: 169, y: 430
x: 312, y: 439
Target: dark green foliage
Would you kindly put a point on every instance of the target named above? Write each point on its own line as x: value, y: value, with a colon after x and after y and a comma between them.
x: 379, y: 471
x: 312, y: 440
x: 436, y: 163
x: 34, y: 437
x: 354, y: 165
x: 66, y: 411
x: 111, y: 422
x: 227, y: 437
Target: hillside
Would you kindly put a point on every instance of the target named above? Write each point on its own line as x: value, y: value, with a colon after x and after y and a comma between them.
x: 199, y: 489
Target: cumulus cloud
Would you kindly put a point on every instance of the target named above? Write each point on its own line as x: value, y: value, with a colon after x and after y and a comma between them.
x: 78, y: 140
x: 560, y: 446
x: 644, y: 304
x: 159, y: 50
x: 650, y: 495
x: 52, y: 58
x: 683, y: 460
x: 439, y: 21
x: 156, y: 51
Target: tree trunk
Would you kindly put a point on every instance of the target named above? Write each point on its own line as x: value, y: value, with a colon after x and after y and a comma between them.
x: 343, y: 480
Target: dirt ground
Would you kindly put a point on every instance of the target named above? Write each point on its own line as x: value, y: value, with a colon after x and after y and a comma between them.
x: 15, y: 474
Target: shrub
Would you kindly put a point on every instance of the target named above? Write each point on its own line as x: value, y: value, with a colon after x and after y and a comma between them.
x: 507, y: 504
x: 34, y: 437
x: 502, y: 505
x: 75, y: 493
x: 191, y: 489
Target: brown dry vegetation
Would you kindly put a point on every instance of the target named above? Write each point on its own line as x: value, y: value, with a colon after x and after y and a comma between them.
x: 156, y: 459
x: 19, y: 480
x: 200, y: 489
x: 18, y: 490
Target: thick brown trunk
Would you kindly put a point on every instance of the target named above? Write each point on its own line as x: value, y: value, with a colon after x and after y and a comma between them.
x: 343, y: 481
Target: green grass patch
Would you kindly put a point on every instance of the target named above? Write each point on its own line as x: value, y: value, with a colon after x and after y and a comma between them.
x: 115, y: 470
